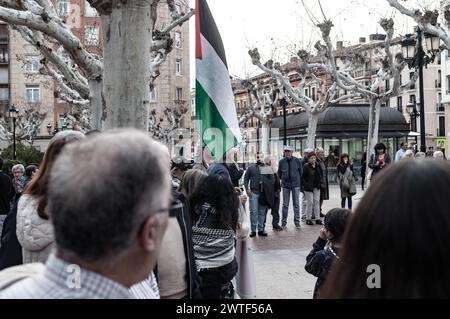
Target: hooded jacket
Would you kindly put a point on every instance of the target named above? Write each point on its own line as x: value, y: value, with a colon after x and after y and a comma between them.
x: 34, y: 233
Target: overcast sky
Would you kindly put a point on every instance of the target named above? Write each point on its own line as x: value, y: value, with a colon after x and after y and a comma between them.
x: 283, y: 26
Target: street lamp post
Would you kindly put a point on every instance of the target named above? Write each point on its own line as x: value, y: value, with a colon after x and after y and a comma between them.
x: 284, y: 104
x: 414, y: 114
x: 13, y: 112
x: 417, y: 59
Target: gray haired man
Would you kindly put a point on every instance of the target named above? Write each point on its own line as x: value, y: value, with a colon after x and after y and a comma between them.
x: 108, y: 201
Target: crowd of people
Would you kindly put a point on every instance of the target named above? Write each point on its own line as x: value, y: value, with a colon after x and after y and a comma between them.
x: 90, y: 223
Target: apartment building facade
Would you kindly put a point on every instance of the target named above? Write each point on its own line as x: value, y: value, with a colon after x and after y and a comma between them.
x: 365, y: 73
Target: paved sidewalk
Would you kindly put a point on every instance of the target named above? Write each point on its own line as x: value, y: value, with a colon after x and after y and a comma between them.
x: 280, y: 258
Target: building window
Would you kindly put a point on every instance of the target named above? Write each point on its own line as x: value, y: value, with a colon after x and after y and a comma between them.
x: 62, y: 120
x: 178, y: 66
x: 178, y: 40
x: 179, y: 94
x: 388, y: 85
x: 89, y: 11
x: 33, y: 93
x: 4, y: 76
x: 91, y: 35
x: 412, y: 99
x: 401, y: 80
x: 413, y: 85
x: 438, y: 81
x: 63, y: 8
x: 313, y: 94
x: 448, y: 84
x: 4, y: 94
x: 441, y: 126
x: 399, y: 104
x: 32, y: 63
x: 153, y: 96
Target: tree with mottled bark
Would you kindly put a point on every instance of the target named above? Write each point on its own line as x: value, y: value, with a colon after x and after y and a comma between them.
x: 261, y: 104
x: 28, y: 124
x: 391, y: 66
x: 436, y: 22
x: 113, y: 88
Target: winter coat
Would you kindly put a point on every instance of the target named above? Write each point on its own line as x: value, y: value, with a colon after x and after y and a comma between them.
x: 235, y: 174
x: 324, y: 187
x: 7, y: 193
x: 311, y: 178
x: 377, y: 168
x: 319, y: 261
x: 267, y: 197
x: 13, y: 275
x: 183, y: 216
x: 34, y: 233
x: 10, y: 249
x: 252, y: 179
x: 290, y: 172
x: 219, y: 169
x: 347, y: 182
x: 363, y: 167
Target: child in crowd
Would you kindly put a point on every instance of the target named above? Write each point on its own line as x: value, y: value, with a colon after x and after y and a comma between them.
x: 326, y: 248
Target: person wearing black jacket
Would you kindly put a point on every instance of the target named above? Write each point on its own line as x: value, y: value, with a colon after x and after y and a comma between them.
x: 275, y: 211
x: 379, y: 160
x: 7, y: 193
x: 311, y: 182
x: 10, y: 249
x: 326, y: 248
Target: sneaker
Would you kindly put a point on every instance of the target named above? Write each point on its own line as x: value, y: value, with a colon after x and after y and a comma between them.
x: 298, y: 226
x: 262, y: 233
x: 303, y: 217
x: 253, y: 234
x: 319, y: 222
x: 284, y: 227
x: 277, y: 228
x: 309, y: 222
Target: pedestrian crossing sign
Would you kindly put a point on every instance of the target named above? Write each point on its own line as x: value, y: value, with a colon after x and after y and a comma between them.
x: 441, y: 142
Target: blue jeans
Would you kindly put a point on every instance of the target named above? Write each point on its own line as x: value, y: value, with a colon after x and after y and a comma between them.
x: 295, y: 199
x: 258, y: 214
x: 275, y: 210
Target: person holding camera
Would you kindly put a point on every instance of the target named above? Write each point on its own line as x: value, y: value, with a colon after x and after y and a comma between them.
x: 379, y: 160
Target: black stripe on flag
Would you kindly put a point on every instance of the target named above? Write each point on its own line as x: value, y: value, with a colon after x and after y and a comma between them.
x: 208, y: 29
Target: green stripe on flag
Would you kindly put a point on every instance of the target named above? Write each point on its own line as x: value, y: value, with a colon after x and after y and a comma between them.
x: 215, y: 133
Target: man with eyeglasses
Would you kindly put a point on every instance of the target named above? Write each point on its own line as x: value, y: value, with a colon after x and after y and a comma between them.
x: 108, y: 225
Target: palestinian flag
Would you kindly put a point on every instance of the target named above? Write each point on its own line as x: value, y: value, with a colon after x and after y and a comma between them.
x: 216, y: 116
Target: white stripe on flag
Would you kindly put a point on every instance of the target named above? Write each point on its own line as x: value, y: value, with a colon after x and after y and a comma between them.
x: 213, y: 76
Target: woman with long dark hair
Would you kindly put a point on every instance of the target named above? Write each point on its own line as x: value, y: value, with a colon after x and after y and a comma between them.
x: 396, y: 245
x: 215, y: 217
x: 346, y: 179
x: 379, y: 160
x: 34, y: 228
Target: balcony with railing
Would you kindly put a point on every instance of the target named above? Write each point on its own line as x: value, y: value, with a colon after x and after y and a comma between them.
x: 440, y: 107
